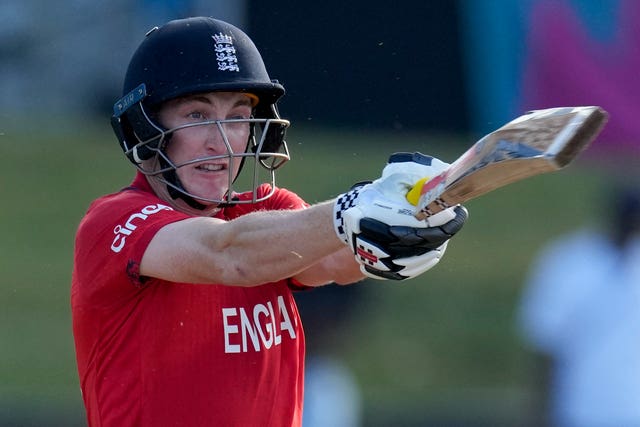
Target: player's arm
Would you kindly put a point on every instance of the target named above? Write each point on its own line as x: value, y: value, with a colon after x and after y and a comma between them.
x: 253, y: 249
x: 374, y: 221
x: 340, y: 267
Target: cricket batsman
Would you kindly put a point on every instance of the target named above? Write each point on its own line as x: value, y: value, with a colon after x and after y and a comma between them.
x: 181, y: 294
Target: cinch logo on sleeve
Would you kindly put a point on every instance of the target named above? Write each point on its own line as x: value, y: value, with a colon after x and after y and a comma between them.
x: 123, y: 231
x: 260, y: 328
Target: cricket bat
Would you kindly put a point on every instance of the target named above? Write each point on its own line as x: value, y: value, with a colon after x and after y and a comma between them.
x: 537, y: 142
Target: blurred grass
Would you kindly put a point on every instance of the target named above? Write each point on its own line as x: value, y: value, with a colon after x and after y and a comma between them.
x: 420, y: 349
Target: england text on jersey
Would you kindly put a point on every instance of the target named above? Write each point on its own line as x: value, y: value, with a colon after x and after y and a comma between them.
x: 257, y: 327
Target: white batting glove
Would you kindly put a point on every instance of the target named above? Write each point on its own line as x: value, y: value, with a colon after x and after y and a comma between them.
x: 377, y: 222
x: 403, y: 171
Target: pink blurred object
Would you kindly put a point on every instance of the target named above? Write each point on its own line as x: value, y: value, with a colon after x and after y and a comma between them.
x: 566, y: 65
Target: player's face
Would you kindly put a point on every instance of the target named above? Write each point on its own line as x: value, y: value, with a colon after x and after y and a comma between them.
x: 208, y: 178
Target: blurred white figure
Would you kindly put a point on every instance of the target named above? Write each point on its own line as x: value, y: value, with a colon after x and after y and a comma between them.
x: 331, y: 394
x: 581, y: 309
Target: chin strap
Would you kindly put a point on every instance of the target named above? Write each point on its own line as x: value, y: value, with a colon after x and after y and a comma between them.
x: 175, y: 194
x: 171, y: 176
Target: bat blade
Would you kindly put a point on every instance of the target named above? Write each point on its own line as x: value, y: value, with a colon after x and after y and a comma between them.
x: 538, y: 142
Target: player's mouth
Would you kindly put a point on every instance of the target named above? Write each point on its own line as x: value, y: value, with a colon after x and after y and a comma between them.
x: 211, y: 167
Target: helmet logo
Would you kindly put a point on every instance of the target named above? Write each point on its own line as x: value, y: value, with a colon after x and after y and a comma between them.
x: 225, y: 52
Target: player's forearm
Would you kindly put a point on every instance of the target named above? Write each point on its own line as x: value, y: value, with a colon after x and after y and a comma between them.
x: 340, y: 267
x: 268, y: 246
x: 253, y: 249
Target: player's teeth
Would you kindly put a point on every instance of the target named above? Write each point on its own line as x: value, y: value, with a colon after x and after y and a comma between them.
x: 210, y: 167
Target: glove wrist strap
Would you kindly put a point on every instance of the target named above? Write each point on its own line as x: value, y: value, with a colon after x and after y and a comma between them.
x: 343, y: 202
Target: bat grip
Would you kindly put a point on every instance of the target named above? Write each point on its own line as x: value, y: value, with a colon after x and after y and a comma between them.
x: 421, y: 215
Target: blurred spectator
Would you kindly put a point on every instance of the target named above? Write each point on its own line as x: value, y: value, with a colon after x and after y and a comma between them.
x: 581, y: 310
x: 331, y: 394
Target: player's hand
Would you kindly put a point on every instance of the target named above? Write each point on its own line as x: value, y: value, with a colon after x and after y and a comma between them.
x: 377, y: 222
x: 399, y: 252
x: 385, y: 198
x: 404, y: 170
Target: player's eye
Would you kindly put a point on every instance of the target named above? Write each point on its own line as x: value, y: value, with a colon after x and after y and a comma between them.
x: 239, y: 113
x: 196, y: 115
x: 236, y: 126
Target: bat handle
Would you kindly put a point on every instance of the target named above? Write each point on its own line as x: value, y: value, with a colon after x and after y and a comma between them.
x: 421, y: 215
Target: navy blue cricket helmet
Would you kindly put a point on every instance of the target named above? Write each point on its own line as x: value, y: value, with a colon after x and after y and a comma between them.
x: 188, y: 56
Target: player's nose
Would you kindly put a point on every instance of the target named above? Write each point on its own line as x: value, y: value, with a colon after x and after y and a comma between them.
x: 216, y: 139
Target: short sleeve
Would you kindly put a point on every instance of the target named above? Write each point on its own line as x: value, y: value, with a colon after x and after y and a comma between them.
x: 111, y: 241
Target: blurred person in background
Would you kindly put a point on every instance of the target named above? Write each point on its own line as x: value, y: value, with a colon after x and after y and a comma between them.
x: 182, y: 287
x: 580, y: 312
x: 332, y: 394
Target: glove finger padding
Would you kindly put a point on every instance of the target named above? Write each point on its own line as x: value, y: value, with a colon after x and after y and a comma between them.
x: 404, y: 241
x: 402, y: 252
x: 416, y: 265
x: 405, y: 268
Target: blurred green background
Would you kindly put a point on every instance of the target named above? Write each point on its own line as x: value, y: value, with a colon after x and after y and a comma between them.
x: 421, y: 350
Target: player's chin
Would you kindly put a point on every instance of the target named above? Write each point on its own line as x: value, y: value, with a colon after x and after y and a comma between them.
x: 208, y: 183
x: 206, y: 186
x: 205, y: 196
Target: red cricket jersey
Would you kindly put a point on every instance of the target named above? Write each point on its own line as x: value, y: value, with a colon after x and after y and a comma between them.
x: 156, y: 353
